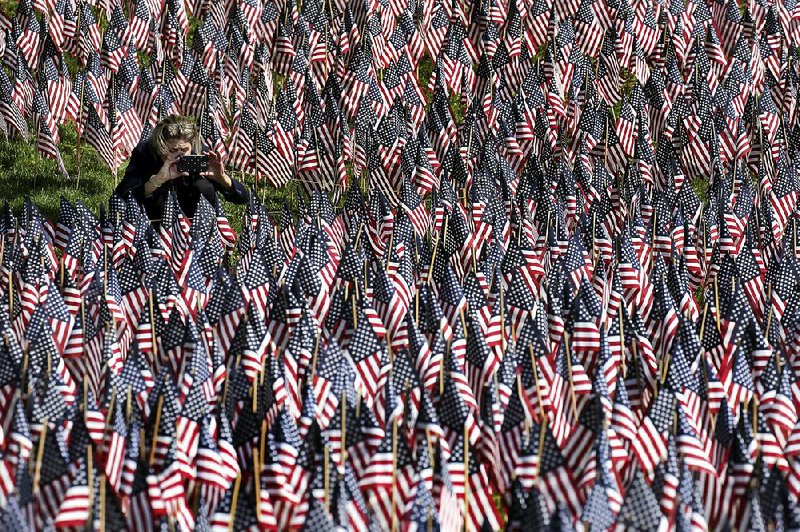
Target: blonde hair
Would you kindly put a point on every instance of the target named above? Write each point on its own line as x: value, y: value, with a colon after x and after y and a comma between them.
x: 170, y: 128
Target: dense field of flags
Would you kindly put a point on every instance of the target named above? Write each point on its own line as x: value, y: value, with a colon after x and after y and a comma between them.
x: 557, y: 286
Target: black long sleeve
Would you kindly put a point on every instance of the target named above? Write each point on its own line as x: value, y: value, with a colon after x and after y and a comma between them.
x: 142, y: 165
x: 237, y: 194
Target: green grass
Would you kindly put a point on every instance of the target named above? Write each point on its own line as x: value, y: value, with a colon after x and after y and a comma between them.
x: 457, y: 108
x: 700, y: 187
x: 27, y: 174
x: 424, y: 72
x: 9, y: 7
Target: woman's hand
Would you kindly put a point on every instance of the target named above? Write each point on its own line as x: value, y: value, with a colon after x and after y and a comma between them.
x: 168, y: 172
x: 216, y: 170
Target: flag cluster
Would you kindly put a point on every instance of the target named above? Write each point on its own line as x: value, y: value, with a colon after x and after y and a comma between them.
x: 564, y: 289
x: 483, y: 363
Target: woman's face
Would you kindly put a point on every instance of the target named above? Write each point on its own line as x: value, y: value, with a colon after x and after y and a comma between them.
x: 178, y: 148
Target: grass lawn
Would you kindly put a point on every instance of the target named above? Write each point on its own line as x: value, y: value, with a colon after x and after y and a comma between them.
x: 25, y: 173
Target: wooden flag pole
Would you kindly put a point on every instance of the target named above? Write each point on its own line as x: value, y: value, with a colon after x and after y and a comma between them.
x: 716, y: 303
x: 623, y: 358
x: 128, y: 404
x: 49, y: 362
x: 90, y: 482
x: 536, y: 382
x: 466, y: 478
x: 664, y: 368
x: 141, y: 441
x: 102, y: 495
x: 113, y: 107
x: 326, y: 480
x: 521, y: 395
x: 78, y: 127
x: 769, y: 313
x: 754, y: 404
x: 355, y: 313
x: 491, y: 278
x: 256, y: 173
x: 542, y: 433
x: 330, y: 20
x: 234, y: 500
x: 85, y: 399
x: 639, y: 375
x: 416, y: 302
x: 227, y: 380
x: 429, y: 445
x: 366, y: 278
x: 594, y: 236
x: 10, y: 294
x: 432, y: 459
x: 152, y: 323
x: 111, y: 404
x: 154, y: 443
x: 653, y: 238
x: 703, y: 321
x: 105, y: 271
x: 161, y: 81
x: 394, y: 474
x: 39, y: 454
x: 358, y: 235
x: 344, y: 428
x: 7, y: 418
x: 502, y: 321
x: 257, y: 483
x: 263, y: 442
x: 24, y: 374
x: 314, y: 358
x: 391, y: 248
x: 569, y: 369
x: 436, y: 248
x: 83, y: 300
x: 441, y: 368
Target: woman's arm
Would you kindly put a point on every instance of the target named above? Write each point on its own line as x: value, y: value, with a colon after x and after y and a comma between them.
x: 230, y: 189
x: 141, y: 167
x: 134, y: 177
x: 233, y: 191
x: 146, y: 174
x: 156, y: 181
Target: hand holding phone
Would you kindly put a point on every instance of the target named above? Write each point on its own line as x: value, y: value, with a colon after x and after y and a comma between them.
x: 216, y: 170
x: 166, y: 173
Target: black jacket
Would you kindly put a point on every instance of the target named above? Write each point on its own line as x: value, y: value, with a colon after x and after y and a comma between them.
x: 144, y: 163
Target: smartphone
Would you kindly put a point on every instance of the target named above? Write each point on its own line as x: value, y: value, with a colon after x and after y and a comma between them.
x: 193, y: 164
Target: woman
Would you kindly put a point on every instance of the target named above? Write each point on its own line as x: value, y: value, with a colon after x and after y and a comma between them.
x: 152, y: 171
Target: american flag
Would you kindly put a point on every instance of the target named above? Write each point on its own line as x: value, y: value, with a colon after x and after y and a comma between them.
x: 126, y: 124
x: 46, y: 132
x: 75, y: 509
x: 12, y: 115
x: 29, y: 33
x: 90, y: 37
